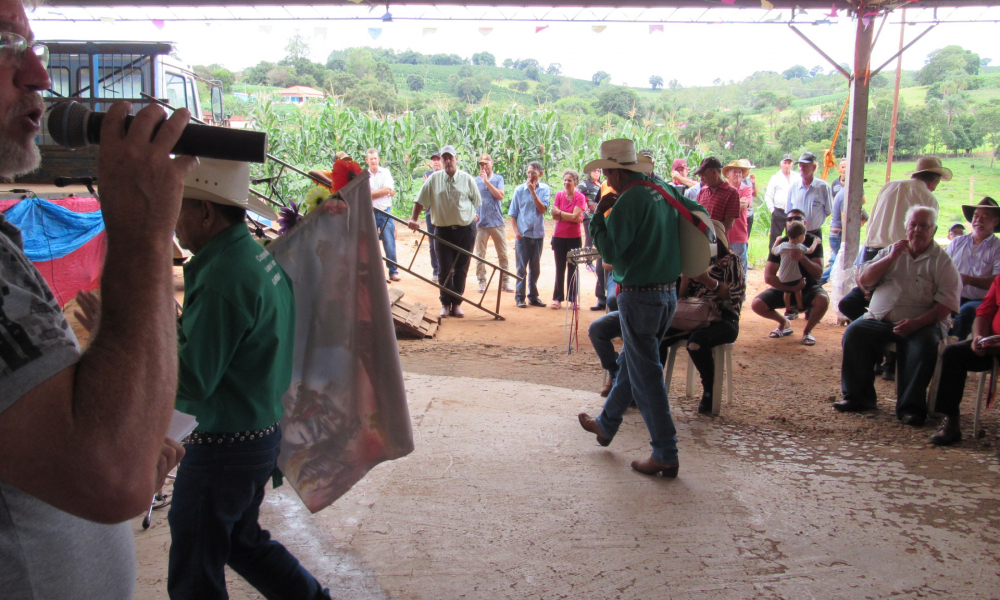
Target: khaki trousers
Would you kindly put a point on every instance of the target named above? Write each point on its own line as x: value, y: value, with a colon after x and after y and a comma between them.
x: 499, y: 236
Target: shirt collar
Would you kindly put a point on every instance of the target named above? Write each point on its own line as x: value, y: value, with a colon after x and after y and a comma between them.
x: 216, y: 246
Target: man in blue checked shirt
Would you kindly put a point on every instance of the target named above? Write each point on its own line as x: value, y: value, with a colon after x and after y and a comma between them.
x: 811, y: 195
x: 527, y: 211
x: 491, y: 224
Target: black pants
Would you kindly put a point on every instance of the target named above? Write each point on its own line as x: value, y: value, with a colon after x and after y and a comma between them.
x: 778, y: 218
x: 716, y: 334
x: 463, y: 236
x: 601, y: 289
x: 564, y: 269
x: 956, y: 361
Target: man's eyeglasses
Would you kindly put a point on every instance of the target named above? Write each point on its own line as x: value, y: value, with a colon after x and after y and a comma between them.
x: 795, y: 218
x: 13, y: 48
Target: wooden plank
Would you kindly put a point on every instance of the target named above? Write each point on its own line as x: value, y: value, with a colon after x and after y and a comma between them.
x: 416, y: 314
x: 394, y: 295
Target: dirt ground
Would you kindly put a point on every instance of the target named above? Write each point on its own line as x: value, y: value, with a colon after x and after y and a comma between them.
x: 505, y: 496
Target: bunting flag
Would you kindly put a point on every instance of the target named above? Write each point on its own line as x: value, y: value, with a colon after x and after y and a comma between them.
x: 430, y: 30
x: 65, y: 240
x: 319, y: 33
x: 730, y: 2
x: 653, y: 28
x: 485, y: 30
x: 537, y: 29
x: 867, y: 21
x: 107, y: 20
x: 158, y: 24
x: 374, y: 32
x: 265, y: 29
x: 598, y: 28
x: 766, y: 5
x: 833, y: 11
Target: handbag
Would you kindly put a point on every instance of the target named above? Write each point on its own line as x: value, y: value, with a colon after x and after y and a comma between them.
x: 694, y: 313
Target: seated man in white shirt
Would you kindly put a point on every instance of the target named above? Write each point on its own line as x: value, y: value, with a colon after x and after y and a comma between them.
x: 977, y: 257
x: 917, y: 289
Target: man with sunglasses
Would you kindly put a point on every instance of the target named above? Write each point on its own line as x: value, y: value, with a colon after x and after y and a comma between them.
x: 82, y: 434
x: 814, y: 297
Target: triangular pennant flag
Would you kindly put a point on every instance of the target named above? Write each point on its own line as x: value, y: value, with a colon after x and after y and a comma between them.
x: 374, y: 32
x: 653, y: 28
x: 766, y: 5
x: 485, y: 30
x: 537, y: 29
x: 319, y: 33
x: 729, y: 1
x: 867, y: 21
x: 266, y: 29
x: 598, y: 28
x: 158, y: 24
x: 430, y: 30
x: 833, y: 11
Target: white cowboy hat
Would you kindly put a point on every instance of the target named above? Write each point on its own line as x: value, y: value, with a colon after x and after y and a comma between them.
x: 619, y: 154
x: 225, y: 182
x: 932, y: 164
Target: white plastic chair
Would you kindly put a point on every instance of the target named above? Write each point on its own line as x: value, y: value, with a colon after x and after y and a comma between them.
x: 723, y: 355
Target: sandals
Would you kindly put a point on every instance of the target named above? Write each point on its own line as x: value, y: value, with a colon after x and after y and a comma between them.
x: 808, y: 339
x: 780, y: 333
x: 555, y: 305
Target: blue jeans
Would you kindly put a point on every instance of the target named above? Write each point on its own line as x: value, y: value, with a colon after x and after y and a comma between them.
x: 387, y: 229
x: 741, y: 250
x: 213, y: 522
x: 834, y: 249
x: 864, y: 343
x: 645, y: 318
x: 602, y: 331
x: 529, y: 256
x: 966, y: 315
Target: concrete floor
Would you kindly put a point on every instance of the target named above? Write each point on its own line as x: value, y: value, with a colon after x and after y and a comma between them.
x: 506, y: 496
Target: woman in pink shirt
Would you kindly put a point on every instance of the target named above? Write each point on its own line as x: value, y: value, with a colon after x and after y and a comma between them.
x: 567, y: 211
x: 739, y: 236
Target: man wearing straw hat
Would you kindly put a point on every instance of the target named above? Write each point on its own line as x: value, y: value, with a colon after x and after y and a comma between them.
x: 236, y: 337
x: 739, y: 234
x: 640, y: 238
x: 977, y: 257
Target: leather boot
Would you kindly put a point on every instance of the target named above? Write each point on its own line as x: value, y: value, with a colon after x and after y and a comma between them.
x: 949, y: 433
x: 609, y: 382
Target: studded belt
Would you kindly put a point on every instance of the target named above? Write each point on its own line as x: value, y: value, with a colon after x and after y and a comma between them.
x: 655, y: 287
x: 206, y: 438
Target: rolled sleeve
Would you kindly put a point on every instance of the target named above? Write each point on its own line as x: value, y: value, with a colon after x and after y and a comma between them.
x: 948, y: 285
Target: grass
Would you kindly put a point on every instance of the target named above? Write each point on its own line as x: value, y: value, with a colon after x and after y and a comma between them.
x: 951, y: 195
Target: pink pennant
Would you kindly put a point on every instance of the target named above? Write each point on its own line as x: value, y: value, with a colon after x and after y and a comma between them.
x: 833, y: 11
x: 730, y: 2
x: 653, y: 28
x: 158, y: 24
x: 867, y: 21
x: 537, y: 29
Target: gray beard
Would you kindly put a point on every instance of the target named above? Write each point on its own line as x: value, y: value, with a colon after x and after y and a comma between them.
x: 18, y: 156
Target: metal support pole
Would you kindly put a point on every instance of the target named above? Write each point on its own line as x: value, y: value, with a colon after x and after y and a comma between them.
x: 858, y: 126
x: 824, y: 54
x: 895, y: 99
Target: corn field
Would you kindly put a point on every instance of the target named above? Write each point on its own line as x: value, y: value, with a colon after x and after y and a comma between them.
x: 309, y: 137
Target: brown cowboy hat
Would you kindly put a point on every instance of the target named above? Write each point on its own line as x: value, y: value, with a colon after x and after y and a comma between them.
x: 932, y: 164
x: 970, y: 209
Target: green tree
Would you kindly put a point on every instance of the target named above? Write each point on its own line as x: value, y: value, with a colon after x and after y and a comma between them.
x: 226, y: 77
x: 656, y: 81
x: 617, y: 101
x: 508, y: 63
x: 484, y: 59
x: 409, y: 57
x: 336, y: 64
x: 945, y: 60
x: 372, y: 95
x: 531, y: 72
x: 360, y: 63
x: 796, y: 72
x: 554, y: 69
x: 789, y: 138
x: 257, y: 75
x: 340, y: 82
x: 600, y: 77
x: 414, y: 82
x: 465, y: 71
x: 297, y: 46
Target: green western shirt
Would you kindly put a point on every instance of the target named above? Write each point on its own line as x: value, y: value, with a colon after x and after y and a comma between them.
x: 450, y: 200
x: 236, y: 335
x: 639, y: 237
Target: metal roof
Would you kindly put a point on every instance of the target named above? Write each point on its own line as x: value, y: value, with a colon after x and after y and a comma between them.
x: 705, y: 4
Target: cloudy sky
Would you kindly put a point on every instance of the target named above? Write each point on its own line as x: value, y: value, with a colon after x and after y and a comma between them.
x: 694, y: 54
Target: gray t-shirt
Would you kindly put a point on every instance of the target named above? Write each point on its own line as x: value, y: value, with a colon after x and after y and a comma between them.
x: 45, y: 552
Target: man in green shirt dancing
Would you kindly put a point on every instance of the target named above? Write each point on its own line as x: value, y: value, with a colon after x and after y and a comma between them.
x: 640, y: 238
x: 235, y: 347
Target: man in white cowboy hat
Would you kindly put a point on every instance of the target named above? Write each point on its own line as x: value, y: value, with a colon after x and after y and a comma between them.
x: 811, y: 195
x: 977, y: 257
x: 640, y: 238
x: 82, y: 433
x: 886, y: 225
x: 776, y: 196
x: 236, y: 337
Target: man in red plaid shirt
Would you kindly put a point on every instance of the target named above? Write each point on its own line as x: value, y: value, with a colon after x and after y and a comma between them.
x: 721, y: 199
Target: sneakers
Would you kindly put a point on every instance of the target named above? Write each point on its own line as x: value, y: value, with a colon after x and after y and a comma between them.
x: 482, y: 287
x: 507, y: 288
x: 791, y: 314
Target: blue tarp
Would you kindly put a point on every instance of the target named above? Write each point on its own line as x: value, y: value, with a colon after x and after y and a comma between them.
x: 51, y: 231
